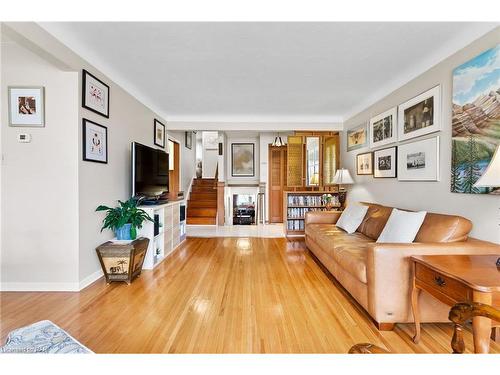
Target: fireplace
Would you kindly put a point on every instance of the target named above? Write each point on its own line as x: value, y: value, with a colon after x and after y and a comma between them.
x: 243, y: 209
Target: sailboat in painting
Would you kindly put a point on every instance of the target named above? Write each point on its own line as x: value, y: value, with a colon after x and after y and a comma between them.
x: 475, y: 120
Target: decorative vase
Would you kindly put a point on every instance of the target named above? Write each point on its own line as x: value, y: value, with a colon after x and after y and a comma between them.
x: 133, y: 232
x: 123, y: 233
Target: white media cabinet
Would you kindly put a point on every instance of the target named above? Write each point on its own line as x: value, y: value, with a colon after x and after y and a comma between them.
x: 170, y: 234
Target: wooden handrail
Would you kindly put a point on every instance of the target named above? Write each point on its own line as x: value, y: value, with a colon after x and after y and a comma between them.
x: 461, y: 313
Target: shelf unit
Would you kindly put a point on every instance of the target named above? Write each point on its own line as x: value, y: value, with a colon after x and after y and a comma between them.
x: 168, y: 236
x: 296, y: 204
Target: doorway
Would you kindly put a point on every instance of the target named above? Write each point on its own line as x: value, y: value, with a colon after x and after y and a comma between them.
x: 277, y: 182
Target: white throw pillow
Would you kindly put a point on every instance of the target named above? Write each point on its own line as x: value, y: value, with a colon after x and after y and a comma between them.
x: 402, y: 226
x: 351, y: 217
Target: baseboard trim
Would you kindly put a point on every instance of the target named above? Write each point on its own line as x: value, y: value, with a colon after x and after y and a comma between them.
x: 39, y: 287
x: 90, y: 279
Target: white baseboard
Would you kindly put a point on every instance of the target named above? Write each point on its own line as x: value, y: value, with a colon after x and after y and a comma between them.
x: 39, y: 287
x: 51, y: 287
x: 90, y: 279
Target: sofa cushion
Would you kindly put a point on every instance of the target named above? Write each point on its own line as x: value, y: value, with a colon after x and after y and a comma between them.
x: 443, y: 228
x: 348, y: 250
x: 375, y: 220
x: 352, y: 217
x: 402, y: 226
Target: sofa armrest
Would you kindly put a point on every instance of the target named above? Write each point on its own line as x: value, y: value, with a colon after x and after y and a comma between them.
x: 322, y: 217
x: 389, y: 274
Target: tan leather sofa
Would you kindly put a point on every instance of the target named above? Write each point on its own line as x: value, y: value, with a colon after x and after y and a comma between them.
x: 378, y: 276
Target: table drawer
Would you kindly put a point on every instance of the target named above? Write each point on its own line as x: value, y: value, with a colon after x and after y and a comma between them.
x: 443, y: 284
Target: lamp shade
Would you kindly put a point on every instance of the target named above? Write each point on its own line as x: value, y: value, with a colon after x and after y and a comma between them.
x: 491, y: 177
x: 343, y: 177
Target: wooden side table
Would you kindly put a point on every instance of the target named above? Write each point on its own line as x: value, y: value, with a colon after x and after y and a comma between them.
x: 458, y: 278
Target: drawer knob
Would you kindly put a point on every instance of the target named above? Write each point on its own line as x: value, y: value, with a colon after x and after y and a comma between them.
x: 439, y: 281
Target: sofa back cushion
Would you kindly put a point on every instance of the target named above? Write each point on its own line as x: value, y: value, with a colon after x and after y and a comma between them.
x: 443, y: 228
x: 435, y: 228
x: 375, y: 219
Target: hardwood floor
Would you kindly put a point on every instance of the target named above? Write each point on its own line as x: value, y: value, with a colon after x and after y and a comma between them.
x: 221, y: 295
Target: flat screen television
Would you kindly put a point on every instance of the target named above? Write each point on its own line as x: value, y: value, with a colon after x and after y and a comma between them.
x: 149, y: 171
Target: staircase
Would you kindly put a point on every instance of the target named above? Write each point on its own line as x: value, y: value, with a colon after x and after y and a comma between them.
x: 202, y: 203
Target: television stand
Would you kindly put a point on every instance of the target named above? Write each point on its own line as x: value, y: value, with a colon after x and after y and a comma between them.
x: 154, y: 202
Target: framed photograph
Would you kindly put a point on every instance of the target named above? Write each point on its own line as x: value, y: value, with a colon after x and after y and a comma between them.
x: 95, y: 94
x: 357, y: 137
x: 242, y: 160
x: 364, y: 163
x: 27, y: 106
x: 420, y: 115
x: 385, y: 163
x: 159, y: 138
x: 383, y: 128
x: 188, y: 141
x: 419, y: 161
x: 95, y: 142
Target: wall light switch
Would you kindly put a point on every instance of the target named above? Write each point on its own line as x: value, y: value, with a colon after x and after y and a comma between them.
x: 24, y: 138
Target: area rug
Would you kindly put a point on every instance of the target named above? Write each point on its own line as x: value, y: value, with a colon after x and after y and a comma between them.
x: 42, y: 337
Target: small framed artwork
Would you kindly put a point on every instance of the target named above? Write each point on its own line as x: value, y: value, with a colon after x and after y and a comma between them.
x: 95, y: 94
x: 159, y: 129
x: 420, y: 115
x: 27, y: 106
x: 383, y: 128
x: 385, y: 163
x: 364, y: 163
x: 357, y: 137
x: 188, y: 141
x: 95, y: 142
x: 419, y: 161
x: 242, y: 160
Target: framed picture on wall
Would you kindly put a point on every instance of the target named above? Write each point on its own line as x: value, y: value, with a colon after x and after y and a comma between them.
x: 242, y: 159
x: 420, y: 115
x: 188, y: 140
x: 27, y: 106
x: 95, y: 142
x: 159, y: 137
x: 357, y: 137
x: 385, y: 163
x: 383, y: 128
x: 95, y: 94
x: 419, y: 161
x: 364, y: 164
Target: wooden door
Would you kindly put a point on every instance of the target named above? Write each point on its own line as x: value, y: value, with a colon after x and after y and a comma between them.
x: 277, y: 182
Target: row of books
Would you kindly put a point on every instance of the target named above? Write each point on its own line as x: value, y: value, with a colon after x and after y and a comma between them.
x: 304, y: 200
x: 295, y: 224
x: 300, y: 212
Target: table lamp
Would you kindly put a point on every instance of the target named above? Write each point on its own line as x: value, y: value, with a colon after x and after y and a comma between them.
x: 342, y: 177
x: 491, y: 177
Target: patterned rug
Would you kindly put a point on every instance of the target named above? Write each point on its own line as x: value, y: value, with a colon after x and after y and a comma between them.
x: 42, y: 337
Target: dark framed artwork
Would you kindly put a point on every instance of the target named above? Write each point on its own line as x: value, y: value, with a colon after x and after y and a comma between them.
x: 188, y: 141
x: 364, y: 164
x: 243, y: 159
x: 95, y: 94
x: 159, y: 134
x: 95, y: 142
x: 385, y: 163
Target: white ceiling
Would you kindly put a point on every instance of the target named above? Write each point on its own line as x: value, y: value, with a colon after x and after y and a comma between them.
x: 263, y: 72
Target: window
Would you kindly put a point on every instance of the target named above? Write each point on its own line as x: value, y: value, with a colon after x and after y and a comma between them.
x: 312, y: 153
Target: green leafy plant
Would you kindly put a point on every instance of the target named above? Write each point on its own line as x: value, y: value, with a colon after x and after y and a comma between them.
x: 126, y: 213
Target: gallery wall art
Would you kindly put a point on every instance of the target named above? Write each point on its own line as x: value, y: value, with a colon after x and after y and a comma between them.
x: 357, y: 137
x: 95, y: 94
x: 383, y: 128
x: 26, y: 106
x: 242, y: 159
x: 364, y: 163
x: 385, y: 163
x: 475, y: 120
x: 95, y: 142
x: 419, y: 160
x: 420, y: 115
x: 159, y: 134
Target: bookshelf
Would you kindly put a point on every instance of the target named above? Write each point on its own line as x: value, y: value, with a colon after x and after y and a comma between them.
x: 297, y: 203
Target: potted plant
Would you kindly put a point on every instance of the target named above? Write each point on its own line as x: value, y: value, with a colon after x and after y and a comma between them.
x: 327, y: 198
x: 125, y: 219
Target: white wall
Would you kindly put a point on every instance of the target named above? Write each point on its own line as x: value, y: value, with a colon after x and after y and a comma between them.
x: 210, y: 156
x: 483, y: 210
x: 40, y: 179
